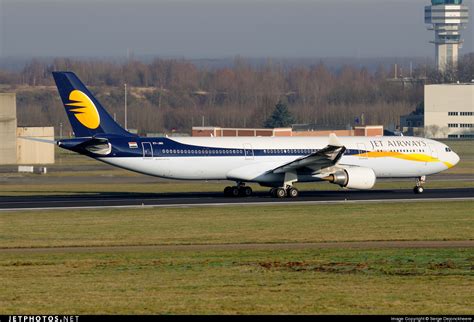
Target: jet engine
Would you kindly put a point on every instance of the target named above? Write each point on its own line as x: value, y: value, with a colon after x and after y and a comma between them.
x: 353, y: 178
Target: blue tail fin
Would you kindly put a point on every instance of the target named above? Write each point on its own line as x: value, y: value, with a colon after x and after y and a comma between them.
x: 86, y: 115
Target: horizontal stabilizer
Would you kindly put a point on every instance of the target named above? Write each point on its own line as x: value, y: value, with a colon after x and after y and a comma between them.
x: 95, y: 146
x: 38, y: 140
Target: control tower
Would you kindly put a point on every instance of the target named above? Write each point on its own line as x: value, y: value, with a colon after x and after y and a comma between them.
x: 447, y: 18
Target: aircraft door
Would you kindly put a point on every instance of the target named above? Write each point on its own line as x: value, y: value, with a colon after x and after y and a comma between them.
x: 147, y: 150
x: 248, y: 151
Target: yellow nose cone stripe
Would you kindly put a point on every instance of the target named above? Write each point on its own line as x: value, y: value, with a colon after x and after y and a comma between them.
x: 84, y: 109
x: 449, y: 165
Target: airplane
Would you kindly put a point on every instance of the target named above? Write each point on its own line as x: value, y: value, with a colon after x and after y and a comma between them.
x: 275, y: 162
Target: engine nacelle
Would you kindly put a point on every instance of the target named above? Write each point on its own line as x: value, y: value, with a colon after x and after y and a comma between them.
x: 354, y: 178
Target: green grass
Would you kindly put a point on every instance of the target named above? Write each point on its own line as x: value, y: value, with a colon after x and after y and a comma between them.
x: 402, y: 281
x: 258, y: 224
x: 236, y: 281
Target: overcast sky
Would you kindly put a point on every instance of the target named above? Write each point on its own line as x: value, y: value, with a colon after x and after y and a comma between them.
x: 218, y: 28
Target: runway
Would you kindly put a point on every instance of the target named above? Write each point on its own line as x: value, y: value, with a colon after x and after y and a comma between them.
x: 111, y: 200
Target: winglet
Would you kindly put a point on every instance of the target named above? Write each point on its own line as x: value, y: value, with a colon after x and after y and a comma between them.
x: 333, y: 140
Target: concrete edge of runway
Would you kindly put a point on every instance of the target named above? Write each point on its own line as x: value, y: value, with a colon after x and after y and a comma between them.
x: 230, y: 204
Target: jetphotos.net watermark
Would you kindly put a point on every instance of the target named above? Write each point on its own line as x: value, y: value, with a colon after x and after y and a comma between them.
x: 42, y: 318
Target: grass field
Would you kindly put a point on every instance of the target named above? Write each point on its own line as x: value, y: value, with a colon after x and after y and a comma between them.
x: 342, y: 281
x: 261, y: 224
x: 297, y: 282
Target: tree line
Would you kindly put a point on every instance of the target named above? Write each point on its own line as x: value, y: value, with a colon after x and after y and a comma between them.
x: 174, y: 94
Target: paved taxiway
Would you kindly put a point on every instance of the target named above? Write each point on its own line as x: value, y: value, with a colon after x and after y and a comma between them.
x: 100, y: 200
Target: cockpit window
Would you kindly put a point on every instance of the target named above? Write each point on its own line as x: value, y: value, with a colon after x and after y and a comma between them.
x: 447, y: 149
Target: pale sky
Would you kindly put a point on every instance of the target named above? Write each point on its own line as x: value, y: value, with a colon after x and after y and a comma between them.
x: 213, y: 29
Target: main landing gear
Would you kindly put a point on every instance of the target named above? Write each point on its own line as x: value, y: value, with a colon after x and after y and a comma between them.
x: 420, y: 181
x: 290, y: 192
x: 287, y: 190
x: 240, y: 190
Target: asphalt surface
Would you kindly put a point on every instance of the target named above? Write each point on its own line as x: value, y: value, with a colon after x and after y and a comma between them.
x: 100, y: 200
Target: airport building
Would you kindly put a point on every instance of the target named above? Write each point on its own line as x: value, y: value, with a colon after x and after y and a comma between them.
x: 449, y: 111
x: 13, y: 148
x: 8, y: 128
x: 446, y: 18
x: 33, y: 152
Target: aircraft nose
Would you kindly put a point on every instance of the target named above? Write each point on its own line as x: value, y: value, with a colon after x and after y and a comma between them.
x: 455, y: 158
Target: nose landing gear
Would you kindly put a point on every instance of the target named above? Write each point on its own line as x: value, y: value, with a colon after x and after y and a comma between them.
x: 420, y: 181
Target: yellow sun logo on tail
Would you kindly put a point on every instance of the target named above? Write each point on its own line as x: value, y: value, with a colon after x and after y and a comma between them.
x: 85, y: 111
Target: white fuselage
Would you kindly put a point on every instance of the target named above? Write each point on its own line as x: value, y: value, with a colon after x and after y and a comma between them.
x: 253, y: 156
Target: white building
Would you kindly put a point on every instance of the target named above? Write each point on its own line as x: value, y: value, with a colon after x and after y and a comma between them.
x: 8, y: 122
x: 14, y: 149
x: 446, y: 18
x: 449, y: 111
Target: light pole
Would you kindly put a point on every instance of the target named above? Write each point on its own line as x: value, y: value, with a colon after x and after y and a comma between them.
x: 125, y: 85
x: 60, y: 130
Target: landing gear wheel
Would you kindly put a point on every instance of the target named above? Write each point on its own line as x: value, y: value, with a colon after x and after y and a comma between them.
x: 420, y: 181
x: 280, y: 193
x: 246, y: 191
x: 293, y: 192
x: 418, y: 189
x: 234, y: 192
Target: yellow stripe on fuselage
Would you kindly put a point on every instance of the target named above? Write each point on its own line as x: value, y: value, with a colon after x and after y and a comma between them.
x: 419, y: 157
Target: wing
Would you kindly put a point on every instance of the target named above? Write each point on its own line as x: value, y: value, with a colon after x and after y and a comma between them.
x: 266, y: 171
x: 321, y: 159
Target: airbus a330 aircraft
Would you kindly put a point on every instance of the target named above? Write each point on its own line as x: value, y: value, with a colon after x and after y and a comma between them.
x: 276, y: 162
